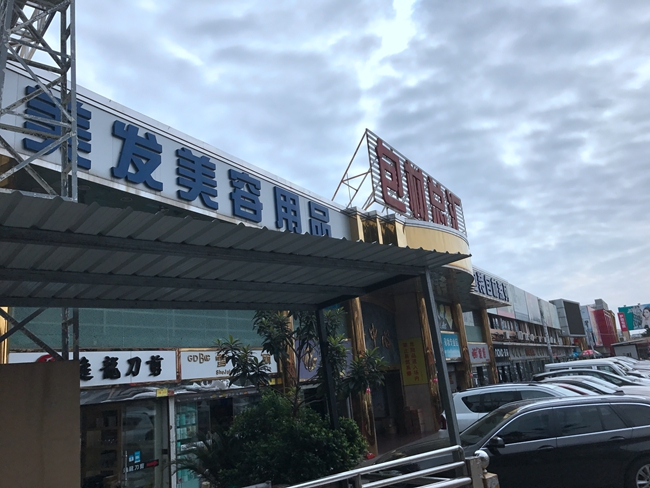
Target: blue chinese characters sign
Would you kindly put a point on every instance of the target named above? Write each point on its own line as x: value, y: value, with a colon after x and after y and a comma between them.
x: 128, y: 152
x: 451, y: 345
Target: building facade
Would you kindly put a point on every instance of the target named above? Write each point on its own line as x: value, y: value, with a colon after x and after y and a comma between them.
x: 151, y: 381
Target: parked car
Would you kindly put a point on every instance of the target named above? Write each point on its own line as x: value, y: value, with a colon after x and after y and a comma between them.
x: 601, y: 386
x: 629, y: 369
x: 472, y: 404
x: 573, y: 442
x: 591, y: 383
x: 638, y: 364
x: 635, y: 367
x: 600, y: 365
x: 604, y: 375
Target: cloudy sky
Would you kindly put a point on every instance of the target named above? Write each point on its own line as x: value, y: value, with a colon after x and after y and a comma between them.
x: 536, y: 114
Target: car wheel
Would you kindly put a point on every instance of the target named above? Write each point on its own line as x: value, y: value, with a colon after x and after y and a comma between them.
x: 638, y: 474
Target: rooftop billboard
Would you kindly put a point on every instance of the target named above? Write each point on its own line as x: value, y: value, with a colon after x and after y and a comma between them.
x: 637, y: 317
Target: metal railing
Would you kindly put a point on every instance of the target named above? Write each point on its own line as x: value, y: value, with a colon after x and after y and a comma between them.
x: 387, y: 474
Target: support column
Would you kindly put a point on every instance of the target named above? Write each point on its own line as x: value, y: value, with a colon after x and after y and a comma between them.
x: 438, y: 353
x: 330, y: 391
x: 457, y: 315
x: 485, y: 324
x: 361, y: 403
x: 289, y: 370
x: 65, y: 333
x: 430, y: 362
x: 4, y: 345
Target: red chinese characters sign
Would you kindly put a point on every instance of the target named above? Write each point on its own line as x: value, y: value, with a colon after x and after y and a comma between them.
x: 478, y: 353
x: 402, y: 186
x: 412, y: 359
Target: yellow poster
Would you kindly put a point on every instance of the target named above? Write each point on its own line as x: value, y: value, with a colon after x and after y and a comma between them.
x: 411, y: 355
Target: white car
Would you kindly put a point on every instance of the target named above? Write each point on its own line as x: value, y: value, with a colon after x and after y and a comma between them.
x: 601, y: 386
x: 474, y: 403
x: 605, y: 364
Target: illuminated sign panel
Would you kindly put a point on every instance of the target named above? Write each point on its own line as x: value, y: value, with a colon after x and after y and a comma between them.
x: 403, y: 187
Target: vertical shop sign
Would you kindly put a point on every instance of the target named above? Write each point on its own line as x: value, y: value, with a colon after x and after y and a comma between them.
x: 451, y: 346
x: 412, y: 359
x: 622, y: 321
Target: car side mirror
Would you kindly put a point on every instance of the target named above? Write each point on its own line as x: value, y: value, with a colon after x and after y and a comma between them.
x: 496, y: 442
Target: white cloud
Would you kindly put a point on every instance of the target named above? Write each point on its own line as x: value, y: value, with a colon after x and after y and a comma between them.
x: 534, y: 113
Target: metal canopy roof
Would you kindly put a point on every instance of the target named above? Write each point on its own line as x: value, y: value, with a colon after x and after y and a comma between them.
x: 56, y: 253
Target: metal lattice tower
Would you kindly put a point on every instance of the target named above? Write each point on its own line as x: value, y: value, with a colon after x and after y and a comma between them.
x: 24, y: 27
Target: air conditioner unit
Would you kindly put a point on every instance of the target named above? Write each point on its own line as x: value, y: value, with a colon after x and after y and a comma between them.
x: 529, y: 337
x: 520, y: 335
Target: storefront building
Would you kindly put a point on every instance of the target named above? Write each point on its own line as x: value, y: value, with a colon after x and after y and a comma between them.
x: 151, y: 382
x: 527, y: 335
x: 142, y: 409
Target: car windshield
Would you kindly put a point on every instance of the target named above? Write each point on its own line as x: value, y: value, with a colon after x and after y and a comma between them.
x: 481, y: 428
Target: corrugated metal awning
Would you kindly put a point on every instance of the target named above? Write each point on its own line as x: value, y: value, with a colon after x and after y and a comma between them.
x: 55, y: 253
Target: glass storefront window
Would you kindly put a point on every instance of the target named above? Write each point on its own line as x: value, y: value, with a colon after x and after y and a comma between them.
x: 122, y: 445
x: 195, y: 419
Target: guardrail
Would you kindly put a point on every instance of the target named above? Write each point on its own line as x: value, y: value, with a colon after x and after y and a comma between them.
x: 387, y: 474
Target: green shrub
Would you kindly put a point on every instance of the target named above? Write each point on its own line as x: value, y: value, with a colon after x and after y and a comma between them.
x: 266, y: 442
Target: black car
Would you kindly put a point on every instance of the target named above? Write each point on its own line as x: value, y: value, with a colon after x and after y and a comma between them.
x: 589, y: 441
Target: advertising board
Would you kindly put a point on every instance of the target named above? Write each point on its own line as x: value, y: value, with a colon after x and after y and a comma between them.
x: 407, y: 190
x: 637, y: 317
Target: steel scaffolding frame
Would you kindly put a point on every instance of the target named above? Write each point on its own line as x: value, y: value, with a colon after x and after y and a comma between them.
x: 24, y: 27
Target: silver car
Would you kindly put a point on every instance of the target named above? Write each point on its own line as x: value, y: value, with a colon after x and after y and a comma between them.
x: 474, y: 403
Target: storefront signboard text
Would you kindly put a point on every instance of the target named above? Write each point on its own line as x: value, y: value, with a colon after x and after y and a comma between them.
x: 451, y: 346
x: 109, y: 368
x: 478, y: 353
x: 489, y: 286
x: 501, y: 353
x: 409, y: 191
x: 414, y: 371
x: 121, y: 149
x: 209, y: 364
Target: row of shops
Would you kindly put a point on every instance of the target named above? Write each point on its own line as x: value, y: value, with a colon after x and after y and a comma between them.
x: 143, y: 408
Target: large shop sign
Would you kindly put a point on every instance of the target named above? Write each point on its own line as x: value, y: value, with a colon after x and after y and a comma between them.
x: 124, y: 150
x: 109, y: 368
x: 487, y: 285
x: 209, y: 364
x: 401, y: 185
